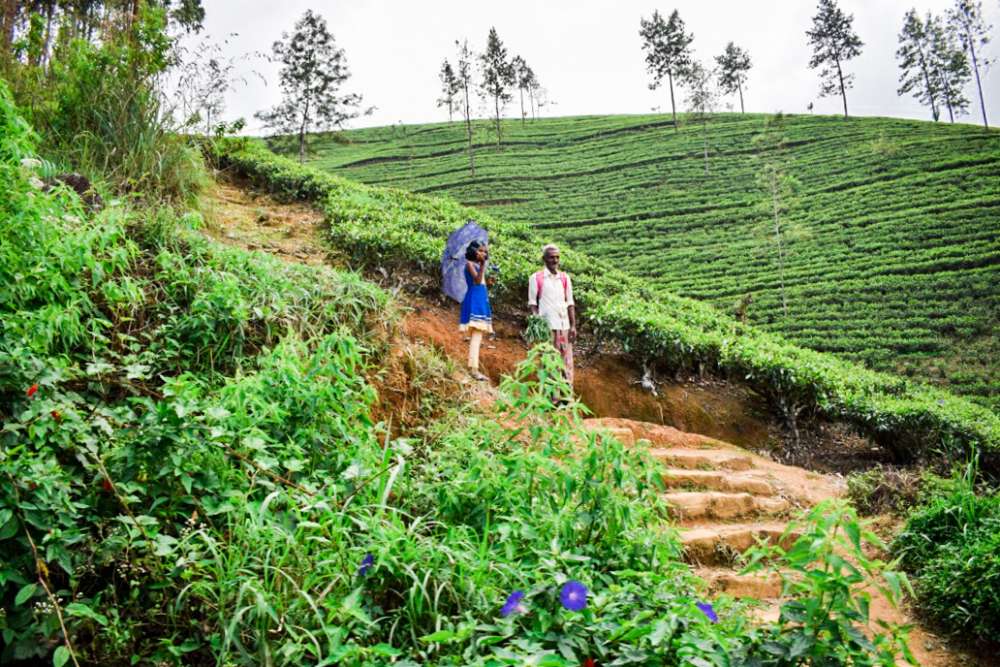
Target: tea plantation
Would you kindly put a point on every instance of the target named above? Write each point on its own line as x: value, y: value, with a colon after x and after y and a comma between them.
x: 889, y: 236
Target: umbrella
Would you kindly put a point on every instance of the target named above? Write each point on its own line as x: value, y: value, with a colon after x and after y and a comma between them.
x: 453, y: 260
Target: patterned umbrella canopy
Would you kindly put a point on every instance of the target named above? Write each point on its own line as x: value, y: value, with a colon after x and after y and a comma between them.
x: 453, y: 260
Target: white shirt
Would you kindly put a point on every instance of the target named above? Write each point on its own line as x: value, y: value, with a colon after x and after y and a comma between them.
x: 555, y: 302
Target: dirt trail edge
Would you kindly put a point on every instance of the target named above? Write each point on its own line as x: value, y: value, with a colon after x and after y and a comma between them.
x: 725, y: 497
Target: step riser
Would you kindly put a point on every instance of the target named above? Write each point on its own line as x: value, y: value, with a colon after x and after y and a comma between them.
x: 716, y: 505
x: 707, y: 547
x: 715, y: 481
x: 702, y: 461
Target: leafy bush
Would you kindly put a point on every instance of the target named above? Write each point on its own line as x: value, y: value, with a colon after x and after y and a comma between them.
x: 951, y: 543
x: 384, y: 226
x: 821, y: 571
x: 98, y: 107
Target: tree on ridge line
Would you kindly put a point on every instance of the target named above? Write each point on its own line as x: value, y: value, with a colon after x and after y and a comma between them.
x: 668, y: 51
x: 525, y: 78
x: 966, y: 19
x: 463, y: 77
x: 313, y: 70
x: 450, y: 87
x: 734, y: 64
x: 950, y: 65
x: 498, y: 76
x: 834, y: 42
x: 916, y: 66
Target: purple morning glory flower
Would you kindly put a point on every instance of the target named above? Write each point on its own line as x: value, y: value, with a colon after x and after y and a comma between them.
x: 513, y: 604
x: 366, y: 564
x: 706, y: 608
x: 573, y: 595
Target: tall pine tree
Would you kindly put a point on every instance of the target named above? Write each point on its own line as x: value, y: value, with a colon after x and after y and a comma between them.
x: 464, y: 78
x: 313, y: 69
x: 668, y: 51
x: 916, y: 65
x: 450, y: 87
x: 525, y: 82
x: 949, y: 66
x: 734, y: 65
x: 498, y: 76
x: 966, y: 19
x: 834, y: 42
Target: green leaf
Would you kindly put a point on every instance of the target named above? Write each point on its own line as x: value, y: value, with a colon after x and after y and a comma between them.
x: 24, y: 594
x: 854, y: 532
x: 386, y: 650
x: 438, y: 637
x: 60, y: 657
x: 83, y: 611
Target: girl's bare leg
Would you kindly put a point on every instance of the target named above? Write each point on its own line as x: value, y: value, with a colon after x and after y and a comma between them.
x: 475, y: 341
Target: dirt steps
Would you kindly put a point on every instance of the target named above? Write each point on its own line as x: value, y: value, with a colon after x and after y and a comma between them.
x: 713, y: 480
x: 722, y: 505
x: 757, y: 586
x: 701, y: 459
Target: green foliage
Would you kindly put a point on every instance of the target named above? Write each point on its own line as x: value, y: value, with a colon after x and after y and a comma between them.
x: 117, y: 334
x: 313, y: 70
x: 834, y: 42
x: 829, y: 577
x: 893, y: 266
x: 668, y: 50
x: 390, y: 227
x: 536, y: 330
x: 951, y: 543
x: 98, y: 107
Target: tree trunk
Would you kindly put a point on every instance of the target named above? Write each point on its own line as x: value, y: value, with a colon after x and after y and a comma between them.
x: 930, y: 87
x: 673, y: 107
x: 740, y: 88
x: 302, y: 133
x: 531, y: 101
x: 50, y: 10
x: 8, y: 20
x: 521, y: 91
x: 979, y: 83
x: 843, y: 91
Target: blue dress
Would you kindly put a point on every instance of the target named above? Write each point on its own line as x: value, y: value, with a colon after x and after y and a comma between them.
x: 476, y: 311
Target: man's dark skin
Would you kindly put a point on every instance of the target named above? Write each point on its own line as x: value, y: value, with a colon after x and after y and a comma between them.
x: 551, y: 261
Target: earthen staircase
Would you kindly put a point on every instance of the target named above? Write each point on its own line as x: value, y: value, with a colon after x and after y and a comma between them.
x: 724, y: 500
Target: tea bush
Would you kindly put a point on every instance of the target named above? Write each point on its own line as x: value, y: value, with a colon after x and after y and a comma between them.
x: 950, y: 543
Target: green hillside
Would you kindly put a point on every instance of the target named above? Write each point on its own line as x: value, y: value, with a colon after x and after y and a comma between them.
x: 891, y: 240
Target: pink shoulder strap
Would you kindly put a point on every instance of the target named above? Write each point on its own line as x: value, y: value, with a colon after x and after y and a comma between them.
x: 540, y: 279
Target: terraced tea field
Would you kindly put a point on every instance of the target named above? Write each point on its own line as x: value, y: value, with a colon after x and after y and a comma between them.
x: 891, y: 242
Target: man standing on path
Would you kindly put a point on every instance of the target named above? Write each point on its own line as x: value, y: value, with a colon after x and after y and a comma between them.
x: 550, y: 295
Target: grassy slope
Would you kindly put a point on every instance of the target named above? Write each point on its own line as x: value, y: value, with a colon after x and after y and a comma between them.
x: 892, y: 252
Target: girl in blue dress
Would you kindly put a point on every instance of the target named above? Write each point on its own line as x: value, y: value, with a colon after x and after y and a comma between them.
x: 477, y: 316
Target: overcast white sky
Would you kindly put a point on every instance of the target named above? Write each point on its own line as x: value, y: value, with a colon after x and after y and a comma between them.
x: 587, y: 54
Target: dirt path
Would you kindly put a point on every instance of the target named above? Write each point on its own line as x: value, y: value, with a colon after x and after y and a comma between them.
x: 725, y: 497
